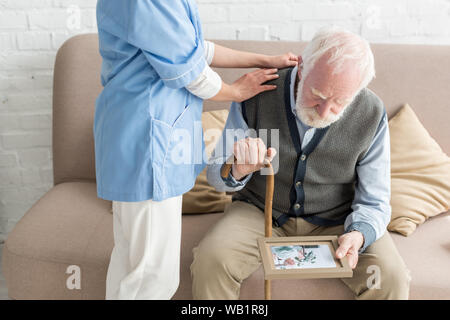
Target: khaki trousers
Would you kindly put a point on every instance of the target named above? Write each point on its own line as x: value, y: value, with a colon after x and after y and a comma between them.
x: 228, y: 254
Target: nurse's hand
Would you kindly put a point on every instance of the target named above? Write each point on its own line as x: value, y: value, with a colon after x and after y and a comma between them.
x: 283, y: 61
x: 247, y: 86
x: 250, y: 84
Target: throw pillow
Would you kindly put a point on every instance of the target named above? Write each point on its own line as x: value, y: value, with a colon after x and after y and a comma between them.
x: 420, y: 173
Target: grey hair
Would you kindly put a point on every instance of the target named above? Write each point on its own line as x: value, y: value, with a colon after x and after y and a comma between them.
x: 342, y: 45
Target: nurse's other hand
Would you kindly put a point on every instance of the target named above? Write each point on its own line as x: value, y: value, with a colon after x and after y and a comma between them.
x: 283, y: 61
x: 250, y: 84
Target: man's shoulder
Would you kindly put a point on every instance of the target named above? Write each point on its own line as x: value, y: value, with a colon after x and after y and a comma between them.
x: 368, y: 96
x: 371, y: 103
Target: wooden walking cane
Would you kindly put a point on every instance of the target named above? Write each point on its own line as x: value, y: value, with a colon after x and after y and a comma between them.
x: 267, y: 209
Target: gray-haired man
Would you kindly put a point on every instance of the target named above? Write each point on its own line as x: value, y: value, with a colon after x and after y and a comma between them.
x: 332, y: 164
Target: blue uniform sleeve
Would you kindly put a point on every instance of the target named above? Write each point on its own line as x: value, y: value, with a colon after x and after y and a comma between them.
x: 169, y: 34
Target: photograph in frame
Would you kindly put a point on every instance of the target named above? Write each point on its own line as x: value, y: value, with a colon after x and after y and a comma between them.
x: 307, y: 257
x: 302, y: 256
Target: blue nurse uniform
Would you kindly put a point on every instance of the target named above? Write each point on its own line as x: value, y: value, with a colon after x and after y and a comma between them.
x: 151, y: 50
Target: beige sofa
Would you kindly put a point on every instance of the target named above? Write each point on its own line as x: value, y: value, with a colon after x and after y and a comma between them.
x: 69, y: 225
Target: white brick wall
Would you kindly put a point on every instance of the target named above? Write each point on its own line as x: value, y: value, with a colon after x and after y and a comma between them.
x: 30, y: 33
x: 32, y: 30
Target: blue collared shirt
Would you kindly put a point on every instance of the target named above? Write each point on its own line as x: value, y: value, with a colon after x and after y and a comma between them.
x: 371, y: 205
x: 150, y: 51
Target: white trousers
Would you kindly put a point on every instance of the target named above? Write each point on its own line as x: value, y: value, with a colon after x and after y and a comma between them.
x: 145, y: 261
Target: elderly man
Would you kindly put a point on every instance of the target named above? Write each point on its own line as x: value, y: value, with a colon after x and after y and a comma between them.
x: 332, y: 164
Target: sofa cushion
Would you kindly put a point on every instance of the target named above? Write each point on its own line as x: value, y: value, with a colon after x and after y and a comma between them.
x: 427, y: 254
x: 68, y: 226
x: 420, y: 173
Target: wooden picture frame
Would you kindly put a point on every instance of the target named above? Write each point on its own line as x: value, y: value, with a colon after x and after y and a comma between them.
x: 275, y: 248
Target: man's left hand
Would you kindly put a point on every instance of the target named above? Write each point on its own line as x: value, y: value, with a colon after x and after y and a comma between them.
x: 349, y: 244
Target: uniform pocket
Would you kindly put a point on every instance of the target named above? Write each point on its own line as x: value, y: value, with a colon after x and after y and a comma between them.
x: 186, y: 144
x: 163, y: 133
x: 177, y: 152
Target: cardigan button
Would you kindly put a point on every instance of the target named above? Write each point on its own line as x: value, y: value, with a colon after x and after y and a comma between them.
x: 298, y: 183
x: 303, y: 157
x: 297, y: 206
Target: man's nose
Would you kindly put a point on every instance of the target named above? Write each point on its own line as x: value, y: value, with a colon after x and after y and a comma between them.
x: 324, y: 109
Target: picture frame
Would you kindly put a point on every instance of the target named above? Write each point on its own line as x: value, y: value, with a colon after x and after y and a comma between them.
x: 307, y: 257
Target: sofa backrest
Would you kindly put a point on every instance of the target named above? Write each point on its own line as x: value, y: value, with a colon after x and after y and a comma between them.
x: 414, y: 74
x: 76, y: 85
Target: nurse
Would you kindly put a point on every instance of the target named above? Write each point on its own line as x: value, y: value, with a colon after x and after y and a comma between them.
x: 156, y: 73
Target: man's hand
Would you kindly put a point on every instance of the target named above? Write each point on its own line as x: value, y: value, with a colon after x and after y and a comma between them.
x: 349, y: 244
x: 250, y: 154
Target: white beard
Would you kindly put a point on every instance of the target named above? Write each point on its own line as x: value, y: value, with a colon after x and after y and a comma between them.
x: 309, y: 116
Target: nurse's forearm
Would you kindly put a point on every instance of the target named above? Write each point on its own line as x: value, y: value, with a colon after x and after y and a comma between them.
x: 230, y: 58
x: 227, y: 93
